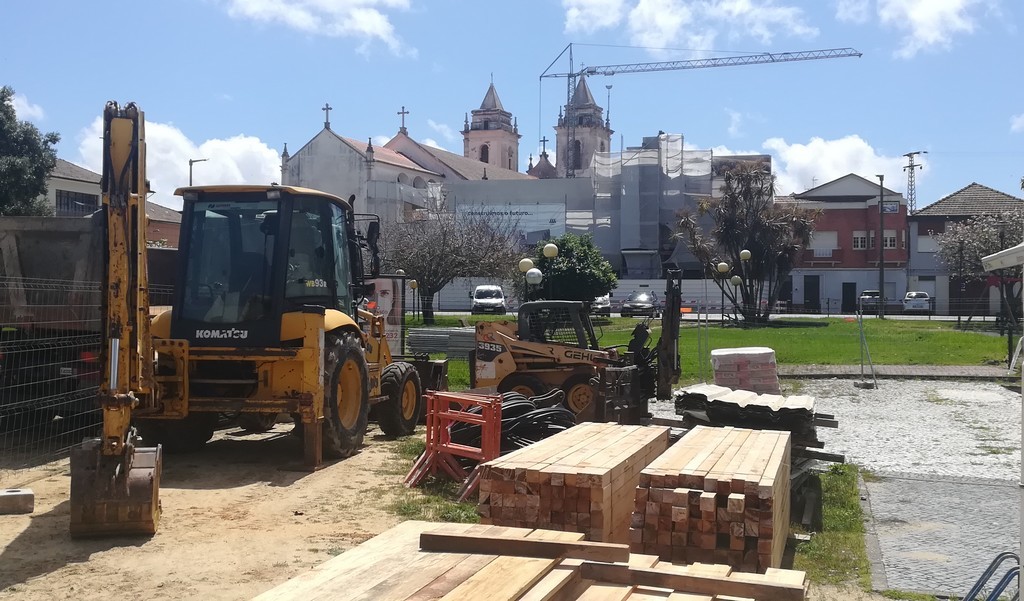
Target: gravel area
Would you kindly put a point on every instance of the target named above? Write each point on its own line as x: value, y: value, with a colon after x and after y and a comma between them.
x: 928, y: 427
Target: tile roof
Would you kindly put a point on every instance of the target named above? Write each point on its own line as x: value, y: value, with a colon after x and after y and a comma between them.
x: 472, y: 169
x: 161, y: 213
x: 384, y: 155
x: 67, y: 170
x: 974, y: 199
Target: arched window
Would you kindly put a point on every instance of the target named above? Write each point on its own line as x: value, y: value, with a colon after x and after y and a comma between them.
x: 403, y: 178
x: 510, y: 160
x: 419, y: 183
x: 485, y: 154
x: 577, y: 154
x: 602, y: 145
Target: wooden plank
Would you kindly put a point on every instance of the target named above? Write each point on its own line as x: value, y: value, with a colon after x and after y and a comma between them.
x: 522, y: 547
x: 737, y: 584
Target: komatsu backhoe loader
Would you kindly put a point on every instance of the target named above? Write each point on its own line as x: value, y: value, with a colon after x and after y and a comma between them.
x: 264, y: 321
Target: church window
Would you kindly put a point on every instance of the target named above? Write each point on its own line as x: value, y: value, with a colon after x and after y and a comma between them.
x: 510, y: 159
x: 602, y: 145
x: 577, y: 154
x: 485, y: 154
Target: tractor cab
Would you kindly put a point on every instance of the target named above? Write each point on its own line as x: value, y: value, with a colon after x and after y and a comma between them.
x: 254, y: 253
x: 566, y: 323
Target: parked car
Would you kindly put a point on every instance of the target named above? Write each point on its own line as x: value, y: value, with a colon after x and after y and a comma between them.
x: 641, y: 303
x: 869, y: 299
x: 917, y: 302
x: 488, y: 299
x: 602, y: 305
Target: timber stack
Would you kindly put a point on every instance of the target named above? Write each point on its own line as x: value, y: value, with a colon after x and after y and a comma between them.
x: 719, y: 495
x: 580, y: 480
x: 467, y: 562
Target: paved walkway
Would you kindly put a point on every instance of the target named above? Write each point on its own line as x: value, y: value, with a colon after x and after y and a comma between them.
x: 947, y: 372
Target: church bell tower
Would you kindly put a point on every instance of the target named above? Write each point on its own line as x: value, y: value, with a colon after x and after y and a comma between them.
x: 492, y: 136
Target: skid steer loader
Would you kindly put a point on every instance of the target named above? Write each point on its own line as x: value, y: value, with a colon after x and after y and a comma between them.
x: 264, y: 321
x: 552, y: 345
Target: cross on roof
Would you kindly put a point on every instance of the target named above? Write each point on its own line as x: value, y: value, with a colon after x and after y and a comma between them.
x: 403, y: 113
x: 544, y: 144
x: 327, y: 111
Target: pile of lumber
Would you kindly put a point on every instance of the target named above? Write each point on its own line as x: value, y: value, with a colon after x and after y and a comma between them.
x: 468, y: 562
x: 750, y: 368
x: 580, y: 480
x: 717, y: 495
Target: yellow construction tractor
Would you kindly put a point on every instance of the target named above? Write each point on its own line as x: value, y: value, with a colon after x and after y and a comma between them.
x: 552, y: 345
x: 264, y: 321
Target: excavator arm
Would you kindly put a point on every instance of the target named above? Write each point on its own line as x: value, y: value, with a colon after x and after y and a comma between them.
x: 114, y: 481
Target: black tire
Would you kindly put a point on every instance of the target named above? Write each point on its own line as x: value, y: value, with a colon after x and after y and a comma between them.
x: 524, y: 384
x: 399, y: 414
x: 346, y: 395
x: 257, y: 422
x: 186, y: 435
x: 472, y: 368
x: 580, y: 397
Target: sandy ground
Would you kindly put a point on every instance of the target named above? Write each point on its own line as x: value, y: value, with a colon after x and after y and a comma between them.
x: 234, y: 525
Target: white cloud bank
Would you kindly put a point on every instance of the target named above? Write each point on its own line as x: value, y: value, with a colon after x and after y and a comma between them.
x: 236, y: 160
x: 25, y: 110
x: 363, y: 20
x: 802, y: 166
x: 931, y: 24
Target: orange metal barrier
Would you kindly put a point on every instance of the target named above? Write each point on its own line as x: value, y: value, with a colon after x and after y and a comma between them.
x: 443, y: 410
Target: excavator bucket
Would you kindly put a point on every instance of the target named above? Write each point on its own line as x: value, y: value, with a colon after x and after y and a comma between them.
x: 115, y: 495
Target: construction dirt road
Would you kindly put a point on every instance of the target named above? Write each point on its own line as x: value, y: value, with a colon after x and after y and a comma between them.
x: 234, y: 525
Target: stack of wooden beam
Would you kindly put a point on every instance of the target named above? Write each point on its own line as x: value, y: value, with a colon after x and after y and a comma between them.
x: 718, y: 495
x: 580, y: 480
x: 468, y: 562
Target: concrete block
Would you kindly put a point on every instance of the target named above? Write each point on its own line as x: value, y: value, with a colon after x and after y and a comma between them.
x: 17, y: 500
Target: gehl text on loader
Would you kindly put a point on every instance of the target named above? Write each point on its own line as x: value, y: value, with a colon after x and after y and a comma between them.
x: 264, y: 321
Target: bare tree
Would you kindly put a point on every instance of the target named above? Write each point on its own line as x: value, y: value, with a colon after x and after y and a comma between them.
x: 746, y: 218
x: 444, y: 246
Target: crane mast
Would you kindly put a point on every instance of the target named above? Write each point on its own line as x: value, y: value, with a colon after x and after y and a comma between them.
x: 573, y: 75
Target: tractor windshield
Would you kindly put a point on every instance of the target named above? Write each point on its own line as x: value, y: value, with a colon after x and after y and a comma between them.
x: 230, y: 256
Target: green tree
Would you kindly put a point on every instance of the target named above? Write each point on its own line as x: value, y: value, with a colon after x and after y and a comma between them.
x: 747, y: 218
x: 27, y: 158
x: 444, y: 246
x: 962, y: 246
x: 579, y: 272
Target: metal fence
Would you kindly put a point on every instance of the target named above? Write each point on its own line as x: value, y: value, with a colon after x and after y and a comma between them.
x: 49, y: 367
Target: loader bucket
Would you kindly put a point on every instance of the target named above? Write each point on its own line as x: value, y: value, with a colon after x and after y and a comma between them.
x: 115, y: 496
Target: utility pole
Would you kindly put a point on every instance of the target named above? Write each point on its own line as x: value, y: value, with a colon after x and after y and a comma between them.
x: 881, y: 247
x: 911, y: 184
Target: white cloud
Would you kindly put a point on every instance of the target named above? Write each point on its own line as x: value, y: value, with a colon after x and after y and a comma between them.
x: 929, y: 23
x: 239, y: 159
x: 801, y: 166
x: 433, y: 144
x: 854, y: 11
x: 447, y: 132
x: 381, y: 140
x: 588, y: 16
x: 363, y: 20
x: 694, y: 24
x: 25, y: 110
x: 1017, y: 123
x: 735, y: 122
x: 657, y: 23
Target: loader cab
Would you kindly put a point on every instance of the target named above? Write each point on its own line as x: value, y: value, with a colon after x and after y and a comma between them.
x: 252, y: 253
x: 558, y: 322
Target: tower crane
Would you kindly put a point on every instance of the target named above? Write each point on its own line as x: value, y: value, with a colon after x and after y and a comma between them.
x: 573, y: 75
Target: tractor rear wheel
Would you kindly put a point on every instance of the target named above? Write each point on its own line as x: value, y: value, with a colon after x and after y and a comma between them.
x: 581, y: 397
x: 346, y: 395
x: 399, y: 414
x: 524, y: 384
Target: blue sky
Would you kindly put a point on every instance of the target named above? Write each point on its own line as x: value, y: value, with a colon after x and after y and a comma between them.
x: 233, y: 80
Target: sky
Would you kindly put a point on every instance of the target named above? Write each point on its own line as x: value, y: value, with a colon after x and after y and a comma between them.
x: 233, y: 81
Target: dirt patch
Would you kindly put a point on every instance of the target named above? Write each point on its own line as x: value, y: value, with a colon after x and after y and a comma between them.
x: 842, y: 593
x: 234, y: 524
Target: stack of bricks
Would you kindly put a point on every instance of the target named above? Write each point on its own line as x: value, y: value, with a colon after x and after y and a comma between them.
x: 580, y: 480
x: 719, y: 495
x: 748, y: 368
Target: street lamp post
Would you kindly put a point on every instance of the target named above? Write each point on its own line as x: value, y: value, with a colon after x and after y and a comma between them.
x: 736, y: 281
x: 413, y: 284
x: 550, y: 252
x: 190, y: 163
x: 748, y: 291
x: 525, y: 265
x: 723, y: 268
x: 534, y: 277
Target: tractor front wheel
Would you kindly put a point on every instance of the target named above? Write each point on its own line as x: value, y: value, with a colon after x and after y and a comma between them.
x: 346, y: 395
x: 581, y: 397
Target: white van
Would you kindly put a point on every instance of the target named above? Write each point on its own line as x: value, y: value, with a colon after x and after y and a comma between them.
x: 488, y: 299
